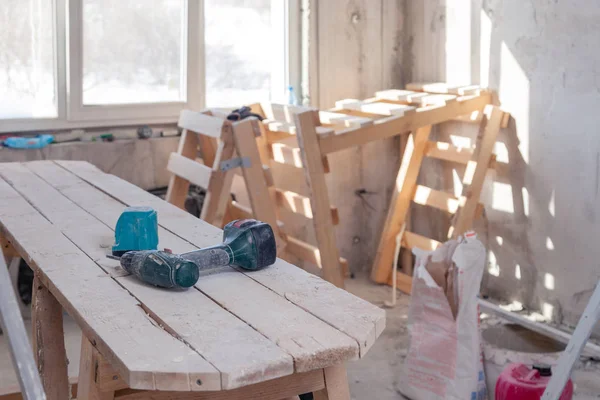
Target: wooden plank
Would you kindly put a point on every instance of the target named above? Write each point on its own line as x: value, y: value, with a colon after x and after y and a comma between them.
x: 410, y: 240
x: 201, y: 123
x: 300, y: 205
x: 282, y: 112
x: 400, y: 203
x: 190, y: 170
x: 48, y: 341
x: 336, y: 384
x: 275, y: 389
x: 378, y: 108
x: 279, y: 130
x: 315, y: 176
x: 289, y: 153
x: 188, y: 315
x: 107, y: 379
x: 310, y: 253
x: 87, y: 388
x: 289, y: 178
x: 395, y: 126
x: 435, y: 198
x: 482, y: 157
x: 339, y: 120
x: 178, y: 187
x: 346, y: 312
x: 444, y: 88
x: 448, y: 152
x: 403, y: 282
x: 218, y: 192
x: 263, y: 206
x: 106, y: 313
x: 20, y: 349
x: 402, y: 96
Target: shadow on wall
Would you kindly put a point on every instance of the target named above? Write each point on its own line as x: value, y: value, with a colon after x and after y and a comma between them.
x: 542, y: 204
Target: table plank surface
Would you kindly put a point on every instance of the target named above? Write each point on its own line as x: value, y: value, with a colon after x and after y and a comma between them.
x: 233, y: 329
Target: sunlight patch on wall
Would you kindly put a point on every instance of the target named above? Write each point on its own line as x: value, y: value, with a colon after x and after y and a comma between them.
x: 493, y: 267
x: 518, y: 272
x: 549, y: 244
x: 549, y: 281
x: 502, y: 199
x: 499, y: 240
x: 458, y: 42
x: 525, y: 193
x: 547, y: 311
x: 551, y: 206
x: 514, y: 93
x: 485, y: 46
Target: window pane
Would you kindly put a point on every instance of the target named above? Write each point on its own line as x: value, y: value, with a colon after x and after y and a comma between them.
x: 133, y: 51
x: 240, y: 51
x: 27, y: 76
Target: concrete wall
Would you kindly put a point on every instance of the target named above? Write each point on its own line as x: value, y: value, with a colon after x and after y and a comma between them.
x: 141, y: 162
x: 542, y: 207
x: 355, y: 50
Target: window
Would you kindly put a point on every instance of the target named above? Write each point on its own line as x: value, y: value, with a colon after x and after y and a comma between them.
x: 133, y: 51
x: 27, y: 73
x: 82, y: 63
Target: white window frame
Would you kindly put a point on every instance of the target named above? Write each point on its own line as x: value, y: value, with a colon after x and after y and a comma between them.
x: 69, y: 73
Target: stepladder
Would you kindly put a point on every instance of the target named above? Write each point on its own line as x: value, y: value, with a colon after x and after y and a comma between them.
x: 464, y: 208
x: 225, y: 149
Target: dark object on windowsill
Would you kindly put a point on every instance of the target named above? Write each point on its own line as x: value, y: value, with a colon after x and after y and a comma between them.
x: 144, y: 132
x: 243, y: 113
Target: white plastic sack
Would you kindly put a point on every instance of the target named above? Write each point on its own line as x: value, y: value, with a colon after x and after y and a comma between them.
x: 444, y: 359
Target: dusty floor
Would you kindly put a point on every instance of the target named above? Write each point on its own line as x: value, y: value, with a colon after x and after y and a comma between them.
x: 370, y: 378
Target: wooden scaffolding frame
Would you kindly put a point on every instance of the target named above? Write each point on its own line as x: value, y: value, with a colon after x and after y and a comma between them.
x: 464, y: 208
x: 352, y: 123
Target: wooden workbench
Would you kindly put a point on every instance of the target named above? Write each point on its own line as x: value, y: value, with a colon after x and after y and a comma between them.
x: 268, y: 334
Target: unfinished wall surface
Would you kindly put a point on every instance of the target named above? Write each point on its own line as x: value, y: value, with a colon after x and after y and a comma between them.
x: 542, y: 207
x: 355, y: 50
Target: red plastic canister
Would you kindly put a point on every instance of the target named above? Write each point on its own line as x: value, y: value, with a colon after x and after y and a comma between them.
x: 520, y: 382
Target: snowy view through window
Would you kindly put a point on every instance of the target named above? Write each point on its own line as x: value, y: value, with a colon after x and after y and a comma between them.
x: 134, y: 51
x: 27, y: 77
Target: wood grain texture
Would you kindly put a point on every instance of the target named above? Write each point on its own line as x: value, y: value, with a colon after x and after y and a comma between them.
x: 87, y: 387
x: 400, y: 202
x: 107, y: 314
x: 319, y: 197
x: 280, y: 278
x: 189, y: 315
x: 275, y: 389
x: 336, y: 384
x: 48, y: 341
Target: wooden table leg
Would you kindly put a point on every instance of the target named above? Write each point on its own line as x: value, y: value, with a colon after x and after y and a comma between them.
x: 49, y: 342
x: 336, y: 384
x: 87, y: 388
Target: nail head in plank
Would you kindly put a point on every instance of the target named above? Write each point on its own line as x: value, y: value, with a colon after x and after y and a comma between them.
x: 249, y: 357
x: 201, y: 234
x: 106, y: 313
x: 189, y: 169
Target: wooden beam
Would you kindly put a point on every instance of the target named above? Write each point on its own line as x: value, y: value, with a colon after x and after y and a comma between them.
x: 285, y: 154
x: 312, y: 159
x: 275, y: 389
x: 403, y: 282
x: 308, y: 252
x: 396, y: 126
x: 201, y: 123
x: 377, y: 108
x: 343, y: 121
x: 399, y: 205
x: 48, y: 341
x: 472, y: 185
x: 336, y: 384
x: 178, y: 186
x: 410, y: 240
x: 301, y: 205
x: 189, y: 169
x: 87, y: 388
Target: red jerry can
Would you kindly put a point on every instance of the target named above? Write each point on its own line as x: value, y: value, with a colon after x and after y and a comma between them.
x: 520, y: 382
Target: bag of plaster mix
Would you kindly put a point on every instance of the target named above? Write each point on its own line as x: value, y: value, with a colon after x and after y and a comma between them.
x: 444, y: 359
